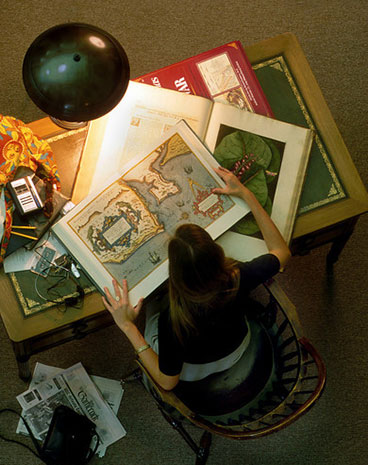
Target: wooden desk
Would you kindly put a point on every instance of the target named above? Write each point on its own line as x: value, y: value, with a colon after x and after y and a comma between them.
x: 331, y: 223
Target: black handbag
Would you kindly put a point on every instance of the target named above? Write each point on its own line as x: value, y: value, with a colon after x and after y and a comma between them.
x: 68, y: 439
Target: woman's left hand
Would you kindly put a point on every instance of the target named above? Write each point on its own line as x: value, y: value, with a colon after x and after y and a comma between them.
x: 119, y: 306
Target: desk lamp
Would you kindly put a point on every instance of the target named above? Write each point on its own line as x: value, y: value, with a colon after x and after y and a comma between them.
x: 75, y: 72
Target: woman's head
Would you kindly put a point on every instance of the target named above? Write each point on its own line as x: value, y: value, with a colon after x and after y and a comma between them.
x: 200, y: 276
x: 197, y: 265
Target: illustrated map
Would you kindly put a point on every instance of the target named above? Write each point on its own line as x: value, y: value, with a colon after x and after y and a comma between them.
x: 128, y: 225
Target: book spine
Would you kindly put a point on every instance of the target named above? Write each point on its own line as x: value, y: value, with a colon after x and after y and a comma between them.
x: 179, y: 77
x: 250, y: 81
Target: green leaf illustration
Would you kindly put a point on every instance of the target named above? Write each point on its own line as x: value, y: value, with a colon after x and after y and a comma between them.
x: 258, y: 185
x: 255, y: 160
x: 248, y: 225
x: 247, y: 156
x: 239, y: 145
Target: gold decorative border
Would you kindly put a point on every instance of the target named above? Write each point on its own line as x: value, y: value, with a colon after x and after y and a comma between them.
x: 31, y: 307
x: 66, y: 134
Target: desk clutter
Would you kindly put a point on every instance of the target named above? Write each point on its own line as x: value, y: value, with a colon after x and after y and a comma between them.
x: 30, y: 203
x: 36, y: 293
x: 27, y: 229
x: 23, y: 155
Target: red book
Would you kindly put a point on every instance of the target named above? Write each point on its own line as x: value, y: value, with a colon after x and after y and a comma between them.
x: 223, y: 74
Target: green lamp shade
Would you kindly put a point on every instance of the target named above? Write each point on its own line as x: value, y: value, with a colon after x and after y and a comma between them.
x: 76, y: 72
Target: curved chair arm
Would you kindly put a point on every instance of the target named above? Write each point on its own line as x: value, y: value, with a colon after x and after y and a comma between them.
x: 285, y: 303
x: 169, y: 397
x: 303, y: 408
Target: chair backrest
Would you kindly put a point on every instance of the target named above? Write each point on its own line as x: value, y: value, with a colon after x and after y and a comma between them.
x: 227, y: 391
x: 284, y: 393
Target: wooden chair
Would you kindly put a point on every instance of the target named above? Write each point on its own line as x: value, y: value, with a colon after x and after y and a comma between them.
x: 285, y: 380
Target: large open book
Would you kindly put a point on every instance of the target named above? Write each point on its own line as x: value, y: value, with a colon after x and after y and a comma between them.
x: 269, y: 156
x: 134, y: 125
x: 122, y: 229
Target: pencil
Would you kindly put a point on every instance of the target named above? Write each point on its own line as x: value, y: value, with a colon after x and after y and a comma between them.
x: 22, y: 227
x: 24, y: 235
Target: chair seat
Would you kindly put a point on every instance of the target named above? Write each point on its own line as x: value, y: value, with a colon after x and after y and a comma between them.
x: 229, y: 390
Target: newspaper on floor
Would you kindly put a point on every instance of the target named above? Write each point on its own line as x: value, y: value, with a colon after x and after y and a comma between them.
x: 72, y: 387
x: 110, y: 389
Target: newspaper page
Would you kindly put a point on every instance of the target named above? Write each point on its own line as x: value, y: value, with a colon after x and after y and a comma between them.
x: 74, y: 388
x: 111, y: 391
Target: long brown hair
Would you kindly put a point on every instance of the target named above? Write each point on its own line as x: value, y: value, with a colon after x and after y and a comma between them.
x: 200, y: 277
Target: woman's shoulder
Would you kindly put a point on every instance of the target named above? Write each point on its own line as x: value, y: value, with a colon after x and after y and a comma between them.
x: 258, y: 270
x: 266, y: 261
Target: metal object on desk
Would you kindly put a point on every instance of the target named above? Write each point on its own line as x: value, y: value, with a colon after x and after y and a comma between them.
x: 25, y: 195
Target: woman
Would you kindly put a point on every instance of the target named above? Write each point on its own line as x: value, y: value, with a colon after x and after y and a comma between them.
x: 203, y: 330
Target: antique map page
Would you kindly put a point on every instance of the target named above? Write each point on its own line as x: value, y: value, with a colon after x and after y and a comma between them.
x: 123, y: 230
x: 222, y: 81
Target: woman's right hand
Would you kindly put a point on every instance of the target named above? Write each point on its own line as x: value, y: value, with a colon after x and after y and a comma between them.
x: 272, y: 236
x: 233, y: 184
x: 119, y: 306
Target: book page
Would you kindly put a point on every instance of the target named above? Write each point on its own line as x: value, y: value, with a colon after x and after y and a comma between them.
x: 142, y: 116
x: 269, y: 156
x: 244, y: 251
x: 218, y: 74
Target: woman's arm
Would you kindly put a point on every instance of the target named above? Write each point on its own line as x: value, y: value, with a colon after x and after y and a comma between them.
x: 124, y: 315
x: 271, y: 235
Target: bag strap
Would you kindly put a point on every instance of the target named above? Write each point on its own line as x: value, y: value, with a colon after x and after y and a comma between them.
x: 93, y: 452
x: 34, y: 440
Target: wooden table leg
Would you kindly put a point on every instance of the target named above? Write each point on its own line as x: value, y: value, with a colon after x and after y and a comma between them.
x: 339, y: 243
x: 22, y: 356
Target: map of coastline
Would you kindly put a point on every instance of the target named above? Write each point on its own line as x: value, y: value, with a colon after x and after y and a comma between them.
x: 128, y: 225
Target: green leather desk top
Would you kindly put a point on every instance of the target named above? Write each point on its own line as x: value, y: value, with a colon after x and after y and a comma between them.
x: 322, y: 184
